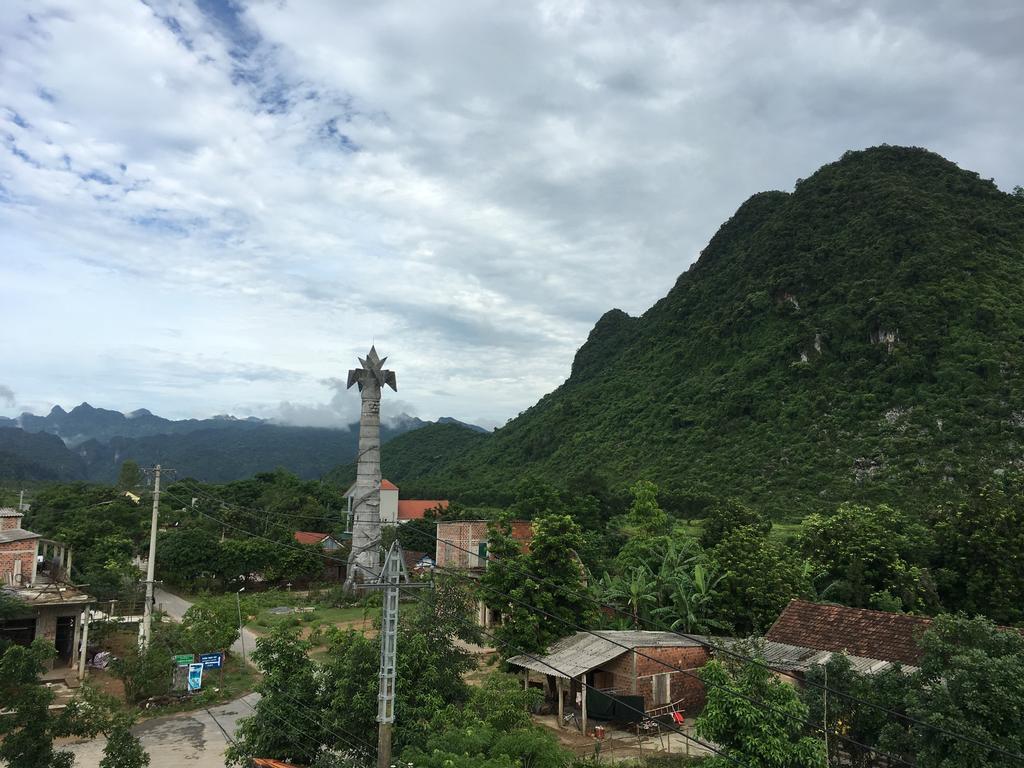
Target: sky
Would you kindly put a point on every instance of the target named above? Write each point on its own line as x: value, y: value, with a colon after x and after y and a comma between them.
x: 214, y: 206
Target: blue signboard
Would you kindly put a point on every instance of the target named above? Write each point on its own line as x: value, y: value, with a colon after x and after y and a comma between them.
x: 195, y: 677
x: 211, y: 660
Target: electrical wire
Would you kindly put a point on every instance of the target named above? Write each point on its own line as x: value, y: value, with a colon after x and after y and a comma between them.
x: 725, y: 651
x: 730, y: 691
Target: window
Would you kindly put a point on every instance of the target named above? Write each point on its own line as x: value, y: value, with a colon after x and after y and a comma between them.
x: 662, y: 688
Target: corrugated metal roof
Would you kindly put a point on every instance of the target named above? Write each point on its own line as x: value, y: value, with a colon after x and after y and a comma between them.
x: 17, y: 534
x: 795, y: 658
x: 572, y: 656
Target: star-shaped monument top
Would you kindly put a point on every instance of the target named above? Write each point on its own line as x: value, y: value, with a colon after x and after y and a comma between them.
x: 372, y: 370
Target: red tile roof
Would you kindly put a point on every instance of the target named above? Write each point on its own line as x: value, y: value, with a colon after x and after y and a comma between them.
x: 310, y: 537
x: 415, y: 509
x: 387, y: 485
x: 264, y: 762
x: 856, y: 631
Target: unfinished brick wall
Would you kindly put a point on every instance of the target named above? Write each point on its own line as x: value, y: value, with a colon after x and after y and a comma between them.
x: 17, y: 551
x: 458, y: 542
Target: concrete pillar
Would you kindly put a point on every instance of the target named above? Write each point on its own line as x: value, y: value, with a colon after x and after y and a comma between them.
x: 85, y: 642
x: 76, y: 640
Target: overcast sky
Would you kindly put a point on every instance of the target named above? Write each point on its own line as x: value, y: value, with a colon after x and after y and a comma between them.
x: 210, y: 206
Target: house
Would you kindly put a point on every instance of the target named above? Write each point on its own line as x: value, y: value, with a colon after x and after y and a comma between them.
x: 395, y: 510
x: 628, y: 674
x: 35, y: 571
x: 462, y: 544
x: 333, y: 569
x: 871, y: 636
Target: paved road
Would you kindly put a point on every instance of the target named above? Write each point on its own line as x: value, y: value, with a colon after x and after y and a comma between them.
x: 175, y: 607
x: 193, y: 739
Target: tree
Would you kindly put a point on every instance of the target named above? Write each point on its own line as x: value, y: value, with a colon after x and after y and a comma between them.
x: 759, y: 578
x: 978, y: 566
x: 505, y: 564
x: 768, y: 733
x: 971, y: 682
x: 28, y: 729
x: 645, y: 517
x: 210, y: 626
x: 635, y: 591
x: 93, y: 712
x: 856, y: 728
x: 286, y: 722
x: 186, y: 553
x: 130, y: 476
x: 692, y: 599
x: 493, y: 729
x: 123, y: 749
x: 865, y: 551
x: 556, y: 588
x: 145, y: 672
x: 728, y: 515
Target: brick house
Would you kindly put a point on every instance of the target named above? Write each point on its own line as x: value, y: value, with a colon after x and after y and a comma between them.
x: 462, y: 544
x: 35, y: 571
x: 625, y: 673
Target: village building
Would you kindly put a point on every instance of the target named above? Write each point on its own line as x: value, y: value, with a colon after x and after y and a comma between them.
x: 393, y: 509
x: 620, y: 676
x: 334, y: 566
x: 35, y: 571
x: 463, y: 545
x: 806, y: 634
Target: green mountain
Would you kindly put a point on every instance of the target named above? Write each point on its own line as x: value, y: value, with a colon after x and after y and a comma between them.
x: 27, y: 456
x: 857, y: 339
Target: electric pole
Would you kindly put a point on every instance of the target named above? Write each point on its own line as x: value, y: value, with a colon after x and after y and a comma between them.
x: 146, y: 628
x: 392, y: 574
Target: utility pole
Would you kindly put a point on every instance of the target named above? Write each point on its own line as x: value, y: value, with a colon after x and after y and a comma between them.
x: 146, y: 629
x: 392, y: 574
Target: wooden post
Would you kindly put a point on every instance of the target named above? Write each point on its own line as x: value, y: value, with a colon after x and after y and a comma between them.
x: 583, y: 700
x: 561, y: 702
x: 526, y: 679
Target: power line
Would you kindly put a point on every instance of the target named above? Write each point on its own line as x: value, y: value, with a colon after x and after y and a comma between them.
x: 726, y: 651
x: 684, y: 735
x: 630, y: 707
x: 731, y: 691
x: 703, y: 641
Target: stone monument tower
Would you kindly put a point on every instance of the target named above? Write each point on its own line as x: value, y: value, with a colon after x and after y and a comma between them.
x: 364, y: 560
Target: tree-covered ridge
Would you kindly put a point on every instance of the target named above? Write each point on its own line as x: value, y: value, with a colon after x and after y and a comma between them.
x: 855, y: 340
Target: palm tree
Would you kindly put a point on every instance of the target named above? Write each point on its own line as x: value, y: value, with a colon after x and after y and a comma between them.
x: 634, y: 591
x: 692, y: 600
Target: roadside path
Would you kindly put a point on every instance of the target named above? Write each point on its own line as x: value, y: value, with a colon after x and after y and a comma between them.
x: 194, y: 739
x: 175, y: 607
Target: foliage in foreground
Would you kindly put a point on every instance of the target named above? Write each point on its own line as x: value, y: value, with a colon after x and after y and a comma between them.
x: 769, y: 734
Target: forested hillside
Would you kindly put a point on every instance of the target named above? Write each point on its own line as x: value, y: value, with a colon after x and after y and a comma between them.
x: 858, y: 339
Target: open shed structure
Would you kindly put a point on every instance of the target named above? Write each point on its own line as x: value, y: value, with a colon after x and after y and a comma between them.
x: 621, y: 675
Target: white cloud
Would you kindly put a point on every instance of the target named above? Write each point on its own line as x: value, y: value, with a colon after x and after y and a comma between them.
x: 204, y: 210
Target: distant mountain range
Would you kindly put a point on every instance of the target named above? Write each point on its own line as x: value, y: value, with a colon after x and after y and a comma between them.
x: 90, y: 443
